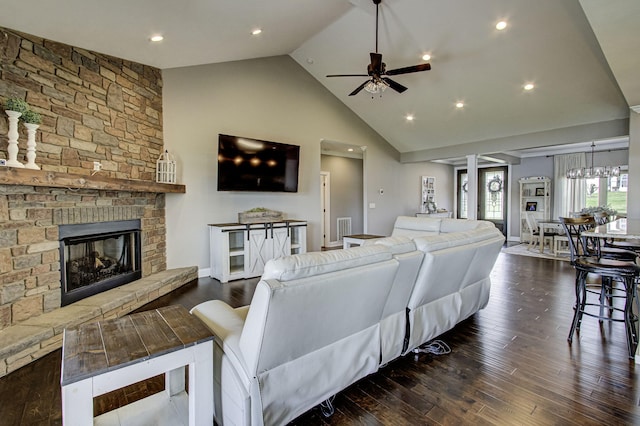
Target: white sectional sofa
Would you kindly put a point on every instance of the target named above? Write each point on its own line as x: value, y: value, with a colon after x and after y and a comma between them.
x: 454, y: 279
x: 320, y: 321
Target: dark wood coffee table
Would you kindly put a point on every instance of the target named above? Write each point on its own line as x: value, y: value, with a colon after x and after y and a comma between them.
x: 107, y: 355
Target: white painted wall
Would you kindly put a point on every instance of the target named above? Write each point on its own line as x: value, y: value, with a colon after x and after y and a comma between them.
x: 272, y: 99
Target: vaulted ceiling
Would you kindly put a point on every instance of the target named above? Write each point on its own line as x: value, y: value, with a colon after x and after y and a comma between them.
x: 580, y: 55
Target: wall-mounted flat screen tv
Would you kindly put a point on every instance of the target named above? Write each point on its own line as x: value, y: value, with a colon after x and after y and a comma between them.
x: 246, y: 164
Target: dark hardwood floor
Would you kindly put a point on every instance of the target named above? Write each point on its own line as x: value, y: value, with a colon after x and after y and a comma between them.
x: 510, y: 364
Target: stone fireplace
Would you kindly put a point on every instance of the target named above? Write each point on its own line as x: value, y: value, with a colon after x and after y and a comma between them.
x: 96, y: 257
x: 94, y: 108
x: 39, y: 217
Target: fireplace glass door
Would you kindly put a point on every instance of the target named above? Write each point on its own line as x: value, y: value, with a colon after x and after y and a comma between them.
x: 95, y: 262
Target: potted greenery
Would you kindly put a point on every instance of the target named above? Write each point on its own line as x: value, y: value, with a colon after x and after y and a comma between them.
x: 17, y: 105
x: 31, y: 117
x: 259, y: 215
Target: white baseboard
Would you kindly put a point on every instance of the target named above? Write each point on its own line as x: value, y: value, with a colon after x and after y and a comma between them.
x: 203, y: 272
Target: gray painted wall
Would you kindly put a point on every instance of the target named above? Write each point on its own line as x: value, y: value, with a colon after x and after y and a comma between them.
x: 272, y: 99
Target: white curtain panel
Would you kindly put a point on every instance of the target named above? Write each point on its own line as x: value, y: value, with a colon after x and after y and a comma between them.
x: 569, y: 194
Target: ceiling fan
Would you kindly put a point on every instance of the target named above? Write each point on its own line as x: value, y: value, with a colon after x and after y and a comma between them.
x: 377, y: 71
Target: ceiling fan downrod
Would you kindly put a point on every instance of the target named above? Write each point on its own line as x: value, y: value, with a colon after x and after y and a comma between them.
x: 377, y: 3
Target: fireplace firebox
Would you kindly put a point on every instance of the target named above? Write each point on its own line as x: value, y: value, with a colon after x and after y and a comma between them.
x: 95, y: 257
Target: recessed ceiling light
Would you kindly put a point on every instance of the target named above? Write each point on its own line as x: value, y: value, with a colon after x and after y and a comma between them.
x: 459, y: 104
x: 409, y: 117
x: 426, y: 57
x: 529, y: 86
x: 156, y: 37
x: 501, y: 25
x: 350, y: 149
x: 256, y: 31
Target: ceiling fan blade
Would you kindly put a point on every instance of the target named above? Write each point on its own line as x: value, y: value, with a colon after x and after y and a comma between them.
x: 395, y: 86
x: 376, y: 62
x: 348, y: 75
x: 358, y: 89
x: 407, y: 70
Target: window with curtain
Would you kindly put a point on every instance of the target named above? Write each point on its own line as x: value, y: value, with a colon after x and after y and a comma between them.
x: 610, y: 192
x: 569, y: 195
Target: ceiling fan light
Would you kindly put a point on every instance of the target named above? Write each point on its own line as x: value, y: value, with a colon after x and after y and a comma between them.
x: 374, y: 87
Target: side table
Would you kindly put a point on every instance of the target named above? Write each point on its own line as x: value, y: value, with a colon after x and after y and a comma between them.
x: 349, y: 240
x: 107, y: 355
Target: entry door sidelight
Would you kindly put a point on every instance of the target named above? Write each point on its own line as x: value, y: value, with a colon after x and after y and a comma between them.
x: 492, y: 195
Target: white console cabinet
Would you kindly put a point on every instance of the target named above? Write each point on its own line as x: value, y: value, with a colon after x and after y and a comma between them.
x: 241, y: 251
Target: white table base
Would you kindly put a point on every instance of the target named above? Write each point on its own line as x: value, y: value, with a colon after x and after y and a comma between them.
x: 77, y: 397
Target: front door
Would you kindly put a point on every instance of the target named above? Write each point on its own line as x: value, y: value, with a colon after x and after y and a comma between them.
x: 492, y: 195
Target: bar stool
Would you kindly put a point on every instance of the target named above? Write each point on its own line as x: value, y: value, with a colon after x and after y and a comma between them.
x: 585, y: 259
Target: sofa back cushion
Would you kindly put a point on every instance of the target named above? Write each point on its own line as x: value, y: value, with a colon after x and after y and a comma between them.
x: 307, y: 302
x: 409, y: 257
x: 294, y: 267
x: 454, y: 261
x: 457, y: 225
x: 414, y: 226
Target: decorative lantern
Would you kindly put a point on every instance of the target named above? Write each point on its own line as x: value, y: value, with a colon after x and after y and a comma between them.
x: 166, y: 168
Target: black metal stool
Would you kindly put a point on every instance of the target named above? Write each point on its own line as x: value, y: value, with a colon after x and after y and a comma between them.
x: 585, y: 258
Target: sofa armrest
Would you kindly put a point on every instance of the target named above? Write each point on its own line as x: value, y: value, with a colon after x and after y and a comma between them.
x: 226, y: 323
x: 222, y: 319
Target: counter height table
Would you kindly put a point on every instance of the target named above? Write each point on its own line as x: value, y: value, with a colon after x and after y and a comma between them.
x: 103, y: 356
x: 627, y: 229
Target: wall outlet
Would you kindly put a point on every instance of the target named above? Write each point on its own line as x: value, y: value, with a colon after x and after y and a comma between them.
x: 372, y: 205
x: 97, y: 166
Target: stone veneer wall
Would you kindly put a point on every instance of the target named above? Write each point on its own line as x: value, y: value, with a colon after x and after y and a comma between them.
x: 95, y: 108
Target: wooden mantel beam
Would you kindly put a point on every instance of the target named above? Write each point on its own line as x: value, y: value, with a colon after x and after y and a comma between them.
x: 15, y: 176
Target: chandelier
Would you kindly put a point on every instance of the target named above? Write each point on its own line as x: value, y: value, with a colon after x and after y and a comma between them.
x: 593, y: 171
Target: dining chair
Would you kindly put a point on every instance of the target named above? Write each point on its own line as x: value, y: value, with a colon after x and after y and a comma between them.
x: 617, y: 282
x: 534, y: 229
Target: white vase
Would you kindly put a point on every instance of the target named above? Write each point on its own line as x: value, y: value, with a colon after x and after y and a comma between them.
x: 31, y: 146
x: 12, y: 150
